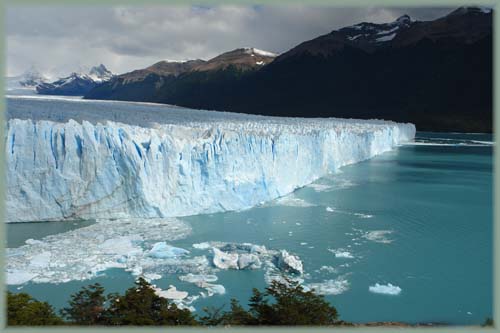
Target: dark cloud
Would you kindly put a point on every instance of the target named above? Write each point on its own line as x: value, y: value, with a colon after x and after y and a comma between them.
x: 60, y: 39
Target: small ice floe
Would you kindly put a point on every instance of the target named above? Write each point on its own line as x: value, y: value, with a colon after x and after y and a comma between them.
x: 234, y: 260
x: 387, y: 289
x: 320, y: 187
x: 328, y: 269
x: 151, y: 276
x: 303, y: 243
x: 225, y: 260
x: 162, y: 250
x: 289, y: 262
x: 469, y: 313
x: 201, y: 246
x: 329, y: 287
x: 19, y: 277
x: 205, y: 282
x: 363, y: 216
x: 84, y: 253
x: 341, y: 253
x: 292, y: 201
x: 31, y: 241
x: 298, y: 223
x: 330, y: 209
x: 379, y: 236
x: 171, y: 293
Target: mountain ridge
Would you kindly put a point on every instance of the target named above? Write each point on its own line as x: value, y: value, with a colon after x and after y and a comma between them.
x: 436, y: 74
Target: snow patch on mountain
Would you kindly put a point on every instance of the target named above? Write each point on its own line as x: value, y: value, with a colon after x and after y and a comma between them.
x: 253, y: 50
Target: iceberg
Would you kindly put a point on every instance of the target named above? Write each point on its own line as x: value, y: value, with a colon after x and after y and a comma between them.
x: 329, y: 287
x: 83, y: 253
x: 171, y: 293
x: 288, y: 262
x: 387, y: 289
x: 162, y: 250
x: 225, y: 260
x: 73, y: 159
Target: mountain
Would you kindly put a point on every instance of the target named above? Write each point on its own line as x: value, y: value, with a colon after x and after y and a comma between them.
x: 76, y: 84
x: 436, y: 74
x: 29, y: 79
x: 153, y: 82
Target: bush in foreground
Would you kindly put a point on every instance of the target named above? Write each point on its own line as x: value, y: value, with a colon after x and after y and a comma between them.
x: 24, y: 310
x: 282, y: 303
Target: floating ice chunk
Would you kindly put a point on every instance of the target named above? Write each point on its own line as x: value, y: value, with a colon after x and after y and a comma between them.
x: 289, y: 262
x: 123, y: 245
x: 198, y: 278
x: 202, y: 246
x: 328, y: 269
x: 82, y: 253
x: 320, y: 187
x: 32, y: 241
x: 363, y: 216
x: 204, y: 281
x: 329, y: 287
x: 379, y: 236
x: 387, y: 289
x: 259, y: 249
x: 214, y: 289
x: 341, y: 253
x: 292, y: 201
x: 225, y: 260
x: 40, y: 260
x: 162, y: 250
x: 151, y: 276
x: 330, y: 209
x: 249, y: 260
x: 171, y: 293
x: 19, y: 277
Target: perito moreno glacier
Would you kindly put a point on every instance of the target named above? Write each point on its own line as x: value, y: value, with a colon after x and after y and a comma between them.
x: 72, y: 159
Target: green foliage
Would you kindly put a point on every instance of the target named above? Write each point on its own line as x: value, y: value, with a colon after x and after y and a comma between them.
x: 488, y: 322
x: 141, y: 306
x: 291, y: 306
x: 282, y: 303
x: 23, y: 310
x: 86, y: 306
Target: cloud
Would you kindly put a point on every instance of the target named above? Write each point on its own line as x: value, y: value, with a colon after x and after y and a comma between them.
x: 60, y: 39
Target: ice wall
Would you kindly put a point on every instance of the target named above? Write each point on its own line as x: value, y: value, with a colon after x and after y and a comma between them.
x: 63, y: 170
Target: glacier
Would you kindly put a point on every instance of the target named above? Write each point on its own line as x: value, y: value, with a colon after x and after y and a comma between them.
x: 73, y: 159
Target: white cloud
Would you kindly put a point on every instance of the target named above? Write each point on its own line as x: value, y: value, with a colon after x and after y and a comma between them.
x: 60, y: 39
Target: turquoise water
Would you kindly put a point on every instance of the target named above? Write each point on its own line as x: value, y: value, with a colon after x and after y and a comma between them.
x: 433, y: 201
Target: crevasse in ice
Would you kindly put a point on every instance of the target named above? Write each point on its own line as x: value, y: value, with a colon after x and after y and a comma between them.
x: 122, y: 163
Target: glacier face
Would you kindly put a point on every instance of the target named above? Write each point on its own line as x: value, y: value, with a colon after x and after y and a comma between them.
x: 74, y: 159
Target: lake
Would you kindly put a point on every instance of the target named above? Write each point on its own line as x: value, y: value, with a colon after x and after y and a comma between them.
x: 418, y: 218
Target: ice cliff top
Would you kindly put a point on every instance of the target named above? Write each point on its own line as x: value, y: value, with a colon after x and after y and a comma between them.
x: 153, y: 115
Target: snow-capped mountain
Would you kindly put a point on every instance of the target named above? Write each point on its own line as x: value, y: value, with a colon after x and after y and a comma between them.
x: 143, y: 84
x: 76, y: 84
x: 376, y: 33
x: 246, y: 58
x: 29, y: 79
x: 100, y: 73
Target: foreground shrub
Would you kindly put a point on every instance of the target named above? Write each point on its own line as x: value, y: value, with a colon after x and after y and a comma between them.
x: 23, y: 310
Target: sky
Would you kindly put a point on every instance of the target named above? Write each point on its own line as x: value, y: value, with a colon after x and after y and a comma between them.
x: 58, y: 40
